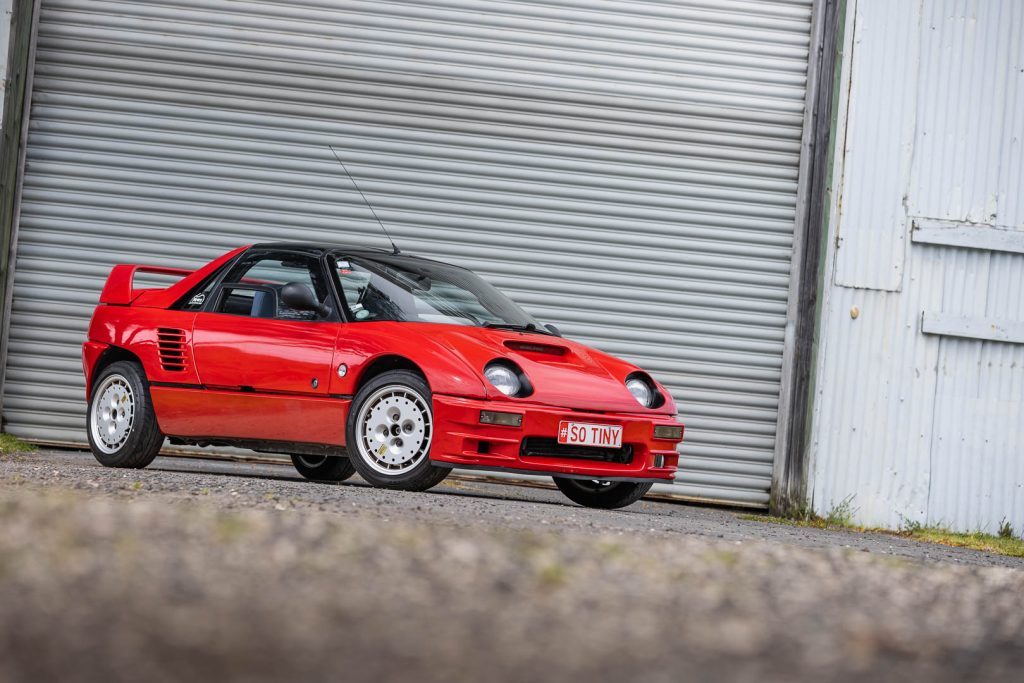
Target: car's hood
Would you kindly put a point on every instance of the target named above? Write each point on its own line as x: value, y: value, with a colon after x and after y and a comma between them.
x: 563, y: 373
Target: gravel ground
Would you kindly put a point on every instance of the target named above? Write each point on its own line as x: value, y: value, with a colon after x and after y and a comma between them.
x: 201, y: 570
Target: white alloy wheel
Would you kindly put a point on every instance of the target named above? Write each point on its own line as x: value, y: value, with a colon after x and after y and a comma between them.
x: 393, y: 429
x: 112, y: 413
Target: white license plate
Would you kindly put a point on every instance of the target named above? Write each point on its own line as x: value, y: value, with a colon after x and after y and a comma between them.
x: 582, y: 434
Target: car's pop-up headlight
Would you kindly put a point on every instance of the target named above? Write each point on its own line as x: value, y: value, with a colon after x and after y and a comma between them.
x: 504, y: 378
x: 643, y: 391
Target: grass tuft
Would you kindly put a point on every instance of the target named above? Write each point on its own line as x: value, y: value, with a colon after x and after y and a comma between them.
x: 841, y: 517
x: 1001, y: 545
x: 909, y: 527
x: 12, y: 444
x: 841, y: 514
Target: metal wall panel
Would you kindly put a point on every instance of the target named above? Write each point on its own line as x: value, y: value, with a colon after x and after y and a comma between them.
x: 5, y: 35
x: 924, y: 428
x: 970, y: 121
x: 977, y: 462
x: 873, y: 233
x: 626, y: 170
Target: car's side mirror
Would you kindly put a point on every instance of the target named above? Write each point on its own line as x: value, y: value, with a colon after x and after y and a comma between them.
x: 298, y: 296
x: 552, y: 329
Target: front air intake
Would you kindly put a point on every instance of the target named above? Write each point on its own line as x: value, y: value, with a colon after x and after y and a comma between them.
x: 171, y: 347
x: 546, y: 447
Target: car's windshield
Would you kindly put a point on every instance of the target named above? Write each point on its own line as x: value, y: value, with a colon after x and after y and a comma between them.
x: 414, y: 290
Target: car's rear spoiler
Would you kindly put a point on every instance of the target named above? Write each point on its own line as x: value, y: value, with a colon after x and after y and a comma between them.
x: 120, y: 287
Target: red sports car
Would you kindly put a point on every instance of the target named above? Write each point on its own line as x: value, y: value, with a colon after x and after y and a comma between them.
x: 359, y: 360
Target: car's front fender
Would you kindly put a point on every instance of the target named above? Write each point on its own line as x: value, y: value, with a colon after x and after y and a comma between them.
x: 361, y: 345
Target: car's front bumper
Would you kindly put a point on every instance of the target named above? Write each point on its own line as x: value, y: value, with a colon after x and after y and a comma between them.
x: 461, y: 440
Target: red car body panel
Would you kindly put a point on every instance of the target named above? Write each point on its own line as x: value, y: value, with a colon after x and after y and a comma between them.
x: 460, y: 435
x: 272, y: 356
x: 209, y: 414
x: 216, y: 376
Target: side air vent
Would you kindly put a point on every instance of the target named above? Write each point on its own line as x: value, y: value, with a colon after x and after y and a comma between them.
x: 171, y: 347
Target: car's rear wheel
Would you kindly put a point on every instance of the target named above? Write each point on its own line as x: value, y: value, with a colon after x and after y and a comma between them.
x: 607, y: 495
x: 389, y: 430
x: 323, y: 467
x: 120, y: 422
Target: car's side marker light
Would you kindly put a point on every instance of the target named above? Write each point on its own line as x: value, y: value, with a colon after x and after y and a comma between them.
x: 668, y: 432
x: 489, y: 417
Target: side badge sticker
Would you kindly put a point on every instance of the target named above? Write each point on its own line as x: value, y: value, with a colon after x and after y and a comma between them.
x: 197, y: 300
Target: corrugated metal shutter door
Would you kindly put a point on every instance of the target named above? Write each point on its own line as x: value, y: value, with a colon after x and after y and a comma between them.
x: 626, y: 170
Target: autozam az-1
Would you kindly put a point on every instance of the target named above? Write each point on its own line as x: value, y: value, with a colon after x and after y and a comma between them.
x: 352, y: 360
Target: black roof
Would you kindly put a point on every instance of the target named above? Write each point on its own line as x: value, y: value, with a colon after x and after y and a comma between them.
x: 318, y: 249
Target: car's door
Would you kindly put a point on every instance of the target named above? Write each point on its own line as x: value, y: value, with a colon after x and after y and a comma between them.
x: 264, y: 367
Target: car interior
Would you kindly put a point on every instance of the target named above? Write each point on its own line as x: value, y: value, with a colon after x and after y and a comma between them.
x: 263, y: 301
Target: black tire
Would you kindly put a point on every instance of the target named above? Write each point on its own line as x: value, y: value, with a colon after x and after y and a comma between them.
x: 323, y: 467
x: 142, y: 439
x: 608, y: 495
x: 420, y: 477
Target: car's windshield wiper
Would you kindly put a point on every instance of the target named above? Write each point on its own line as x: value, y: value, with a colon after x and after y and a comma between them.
x: 528, y: 327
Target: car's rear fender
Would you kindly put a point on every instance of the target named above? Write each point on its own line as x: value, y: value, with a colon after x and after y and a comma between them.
x: 92, y: 352
x: 139, y: 333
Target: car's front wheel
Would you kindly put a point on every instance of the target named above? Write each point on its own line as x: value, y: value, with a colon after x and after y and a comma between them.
x: 323, y: 467
x: 389, y: 430
x: 607, y: 495
x: 121, y: 424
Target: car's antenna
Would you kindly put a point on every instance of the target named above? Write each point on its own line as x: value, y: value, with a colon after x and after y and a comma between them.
x: 338, y: 157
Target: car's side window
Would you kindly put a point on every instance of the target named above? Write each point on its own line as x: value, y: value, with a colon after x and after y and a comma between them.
x: 255, y: 302
x: 253, y: 286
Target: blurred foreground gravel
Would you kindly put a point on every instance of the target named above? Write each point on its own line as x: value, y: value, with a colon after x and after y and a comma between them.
x: 128, y: 582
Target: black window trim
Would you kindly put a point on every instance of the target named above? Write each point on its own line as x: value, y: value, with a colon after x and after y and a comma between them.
x: 337, y: 315
x: 331, y: 264
x: 215, y: 277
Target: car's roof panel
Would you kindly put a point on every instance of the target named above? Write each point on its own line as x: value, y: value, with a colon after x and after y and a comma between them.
x: 319, y: 248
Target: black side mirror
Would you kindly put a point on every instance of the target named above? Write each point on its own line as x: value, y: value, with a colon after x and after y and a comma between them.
x: 552, y: 329
x: 299, y: 296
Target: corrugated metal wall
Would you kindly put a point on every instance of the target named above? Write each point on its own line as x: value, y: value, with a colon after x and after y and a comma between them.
x: 5, y: 34
x: 909, y: 426
x: 627, y: 170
